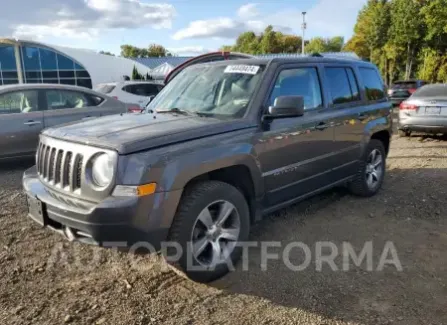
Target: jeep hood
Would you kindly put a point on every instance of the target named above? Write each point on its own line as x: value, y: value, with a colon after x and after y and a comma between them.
x: 127, y: 133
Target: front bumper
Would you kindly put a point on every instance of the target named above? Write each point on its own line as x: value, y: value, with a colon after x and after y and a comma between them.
x: 427, y: 124
x: 122, y: 221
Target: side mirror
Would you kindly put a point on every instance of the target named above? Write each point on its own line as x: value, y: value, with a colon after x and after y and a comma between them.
x: 287, y: 106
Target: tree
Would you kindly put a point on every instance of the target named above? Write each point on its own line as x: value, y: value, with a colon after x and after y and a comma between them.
x: 315, y: 45
x: 291, y: 44
x: 407, y: 30
x: 136, y: 75
x: 269, y: 41
x: 320, y: 45
x: 156, y: 50
x: 226, y: 48
x: 129, y: 51
x: 335, y: 44
x: 247, y: 42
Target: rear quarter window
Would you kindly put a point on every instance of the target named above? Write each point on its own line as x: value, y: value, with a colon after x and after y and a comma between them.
x: 95, y: 100
x: 373, y: 84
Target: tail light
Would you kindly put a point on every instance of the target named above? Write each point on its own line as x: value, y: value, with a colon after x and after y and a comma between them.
x: 412, y: 90
x: 408, y: 107
x: 134, y: 109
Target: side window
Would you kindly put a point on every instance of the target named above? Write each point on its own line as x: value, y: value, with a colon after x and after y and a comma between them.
x: 19, y: 102
x: 373, y: 84
x: 128, y: 89
x: 298, y: 82
x: 353, y: 83
x: 151, y: 89
x: 63, y: 99
x: 94, y: 100
x: 340, y: 85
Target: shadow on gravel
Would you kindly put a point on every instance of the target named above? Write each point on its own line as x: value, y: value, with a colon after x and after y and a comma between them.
x: 16, y: 164
x: 410, y: 212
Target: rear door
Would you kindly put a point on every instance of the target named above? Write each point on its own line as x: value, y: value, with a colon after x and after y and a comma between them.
x: 21, y: 121
x: 344, y: 97
x: 63, y: 106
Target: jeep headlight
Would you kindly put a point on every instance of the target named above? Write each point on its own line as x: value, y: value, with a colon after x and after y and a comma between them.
x: 102, y: 170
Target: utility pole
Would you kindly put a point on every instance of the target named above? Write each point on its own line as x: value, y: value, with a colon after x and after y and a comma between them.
x: 303, y: 27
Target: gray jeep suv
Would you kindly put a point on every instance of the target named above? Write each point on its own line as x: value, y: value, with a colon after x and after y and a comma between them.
x: 223, y: 144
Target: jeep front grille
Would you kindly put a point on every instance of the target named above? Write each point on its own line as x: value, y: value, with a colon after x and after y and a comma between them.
x: 59, y: 167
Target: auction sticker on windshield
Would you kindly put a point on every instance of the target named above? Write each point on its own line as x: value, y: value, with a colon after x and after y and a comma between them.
x: 247, y: 69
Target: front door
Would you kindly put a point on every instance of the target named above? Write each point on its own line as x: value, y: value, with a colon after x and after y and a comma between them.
x: 295, y: 153
x: 20, y: 123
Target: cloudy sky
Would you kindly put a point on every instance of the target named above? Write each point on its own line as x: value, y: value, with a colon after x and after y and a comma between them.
x: 183, y: 26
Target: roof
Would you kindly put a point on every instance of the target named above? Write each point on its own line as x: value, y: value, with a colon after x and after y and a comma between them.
x: 296, y: 59
x: 131, y: 82
x: 13, y: 87
x: 155, y: 62
x: 175, y: 61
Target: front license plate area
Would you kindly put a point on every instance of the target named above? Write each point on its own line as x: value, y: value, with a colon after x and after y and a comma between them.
x: 36, y: 210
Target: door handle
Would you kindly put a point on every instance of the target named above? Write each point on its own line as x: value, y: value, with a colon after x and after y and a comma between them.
x: 321, y: 126
x: 31, y: 122
x: 362, y: 117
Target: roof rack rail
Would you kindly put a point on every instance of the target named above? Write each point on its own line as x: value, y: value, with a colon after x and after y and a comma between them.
x: 335, y: 55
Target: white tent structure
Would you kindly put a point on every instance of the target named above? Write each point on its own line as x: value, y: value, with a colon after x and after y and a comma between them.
x: 162, y: 71
x: 31, y: 62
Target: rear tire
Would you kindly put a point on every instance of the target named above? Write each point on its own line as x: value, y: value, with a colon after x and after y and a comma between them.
x: 369, y: 177
x: 209, y: 245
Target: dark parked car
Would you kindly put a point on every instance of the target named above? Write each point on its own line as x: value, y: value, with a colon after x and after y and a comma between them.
x: 425, y: 111
x: 222, y: 145
x: 401, y: 90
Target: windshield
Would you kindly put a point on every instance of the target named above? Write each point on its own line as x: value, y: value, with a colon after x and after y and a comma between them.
x: 210, y: 89
x: 405, y: 84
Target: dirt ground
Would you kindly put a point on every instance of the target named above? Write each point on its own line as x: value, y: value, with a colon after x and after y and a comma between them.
x: 46, y: 280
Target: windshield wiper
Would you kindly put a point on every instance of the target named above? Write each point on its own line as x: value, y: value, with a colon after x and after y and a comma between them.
x: 184, y: 112
x: 173, y: 110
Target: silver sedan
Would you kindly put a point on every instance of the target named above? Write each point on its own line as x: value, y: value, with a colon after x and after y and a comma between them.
x: 26, y: 109
x: 424, y: 111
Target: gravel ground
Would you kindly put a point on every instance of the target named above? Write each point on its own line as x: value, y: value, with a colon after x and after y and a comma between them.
x: 46, y: 280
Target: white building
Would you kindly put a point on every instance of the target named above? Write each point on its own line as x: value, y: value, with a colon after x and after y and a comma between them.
x: 32, y: 62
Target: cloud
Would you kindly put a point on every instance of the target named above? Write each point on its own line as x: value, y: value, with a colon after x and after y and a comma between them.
x: 248, y: 11
x: 327, y: 18
x: 189, y: 50
x: 81, y: 18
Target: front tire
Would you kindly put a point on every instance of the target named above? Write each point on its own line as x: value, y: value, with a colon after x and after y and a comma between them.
x: 371, y: 172
x: 212, y: 218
